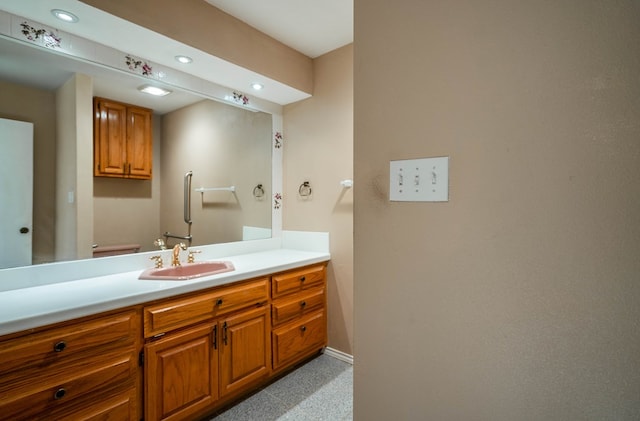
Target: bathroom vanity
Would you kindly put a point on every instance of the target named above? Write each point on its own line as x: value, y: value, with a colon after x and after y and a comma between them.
x: 119, y: 347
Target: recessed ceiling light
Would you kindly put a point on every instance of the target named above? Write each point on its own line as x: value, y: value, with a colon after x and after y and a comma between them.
x: 65, y: 16
x: 184, y: 59
x: 154, y: 90
x: 257, y: 86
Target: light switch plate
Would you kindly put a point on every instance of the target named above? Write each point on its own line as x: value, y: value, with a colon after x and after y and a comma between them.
x: 419, y: 180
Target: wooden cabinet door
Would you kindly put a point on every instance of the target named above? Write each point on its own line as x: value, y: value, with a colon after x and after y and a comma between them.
x: 245, y: 353
x: 139, y: 143
x: 110, y: 138
x: 181, y: 374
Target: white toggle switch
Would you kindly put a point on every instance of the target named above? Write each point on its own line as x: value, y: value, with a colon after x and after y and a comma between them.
x: 434, y: 170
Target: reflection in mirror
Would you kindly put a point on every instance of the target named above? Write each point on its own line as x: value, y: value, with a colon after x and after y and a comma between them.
x: 224, y: 147
x: 222, y: 144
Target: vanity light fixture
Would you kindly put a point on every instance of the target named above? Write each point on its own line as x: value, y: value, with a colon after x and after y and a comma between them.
x: 257, y: 86
x: 154, y: 90
x: 65, y: 16
x: 183, y: 59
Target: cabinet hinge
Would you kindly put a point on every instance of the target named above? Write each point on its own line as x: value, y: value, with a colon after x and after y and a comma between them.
x: 141, y: 359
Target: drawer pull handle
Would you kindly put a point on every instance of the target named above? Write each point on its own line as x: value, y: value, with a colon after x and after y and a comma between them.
x: 303, y: 304
x: 59, y: 394
x: 303, y: 328
x: 303, y: 278
x: 60, y: 346
x: 219, y: 302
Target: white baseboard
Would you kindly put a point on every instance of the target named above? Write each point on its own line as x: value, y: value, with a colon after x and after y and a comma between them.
x: 343, y: 356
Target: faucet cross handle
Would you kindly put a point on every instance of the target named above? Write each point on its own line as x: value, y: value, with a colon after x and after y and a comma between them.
x: 158, y: 260
x: 190, y: 257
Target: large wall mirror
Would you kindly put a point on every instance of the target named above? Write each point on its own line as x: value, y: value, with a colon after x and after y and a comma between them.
x: 222, y: 145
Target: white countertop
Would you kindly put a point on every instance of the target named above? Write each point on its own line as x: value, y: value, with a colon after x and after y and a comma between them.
x: 40, y: 305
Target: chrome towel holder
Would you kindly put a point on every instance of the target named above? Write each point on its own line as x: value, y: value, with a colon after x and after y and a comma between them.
x: 305, y: 189
x: 258, y: 191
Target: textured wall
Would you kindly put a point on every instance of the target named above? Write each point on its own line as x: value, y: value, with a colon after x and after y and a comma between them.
x: 518, y: 298
x: 319, y: 148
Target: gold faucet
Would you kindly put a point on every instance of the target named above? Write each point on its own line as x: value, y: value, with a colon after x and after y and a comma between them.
x: 175, y: 259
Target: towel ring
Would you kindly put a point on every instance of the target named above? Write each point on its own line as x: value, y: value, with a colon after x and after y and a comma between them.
x: 258, y: 191
x: 305, y: 189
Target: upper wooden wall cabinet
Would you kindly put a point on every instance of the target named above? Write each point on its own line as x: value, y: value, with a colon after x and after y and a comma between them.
x: 123, y: 141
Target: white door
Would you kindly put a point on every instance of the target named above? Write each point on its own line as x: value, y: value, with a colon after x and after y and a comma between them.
x: 16, y: 192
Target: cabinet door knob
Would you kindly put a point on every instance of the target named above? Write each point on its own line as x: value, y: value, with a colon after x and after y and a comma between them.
x: 59, y: 394
x: 303, y: 278
x: 303, y: 328
x: 219, y: 302
x: 60, y: 346
x: 303, y: 304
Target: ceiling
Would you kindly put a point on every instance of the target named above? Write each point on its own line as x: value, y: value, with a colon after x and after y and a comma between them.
x: 311, y: 27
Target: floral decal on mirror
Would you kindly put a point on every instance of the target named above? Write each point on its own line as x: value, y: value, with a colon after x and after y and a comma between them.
x: 133, y: 64
x: 277, y: 201
x: 240, y: 98
x: 278, y: 140
x: 49, y: 39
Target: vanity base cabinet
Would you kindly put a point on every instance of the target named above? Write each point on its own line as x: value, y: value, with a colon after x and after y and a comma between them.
x: 83, y: 370
x: 198, y: 351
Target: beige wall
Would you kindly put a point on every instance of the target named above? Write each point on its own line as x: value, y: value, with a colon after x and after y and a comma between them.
x: 517, y: 299
x: 200, y: 25
x: 37, y: 106
x: 74, y: 172
x: 224, y: 146
x: 318, y: 148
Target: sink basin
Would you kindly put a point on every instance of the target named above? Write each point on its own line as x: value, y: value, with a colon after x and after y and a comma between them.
x: 187, y: 271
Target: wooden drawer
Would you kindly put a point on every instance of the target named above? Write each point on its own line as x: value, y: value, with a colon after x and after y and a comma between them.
x: 297, y: 280
x: 170, y: 315
x: 82, y: 384
x: 297, y: 305
x: 122, y: 406
x: 294, y: 340
x: 52, y: 348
